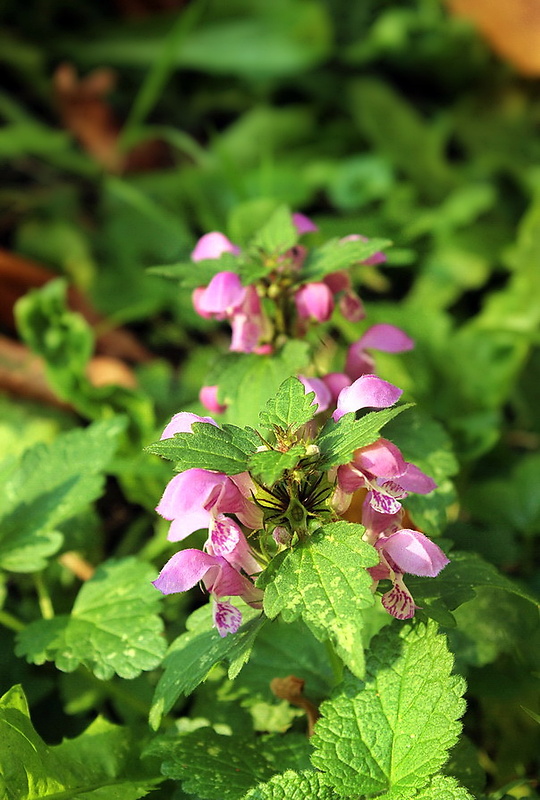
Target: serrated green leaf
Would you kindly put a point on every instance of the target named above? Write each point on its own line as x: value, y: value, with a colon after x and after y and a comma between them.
x: 324, y: 579
x: 226, y: 449
x: 456, y: 583
x: 53, y: 483
x: 247, y: 381
x: 278, y: 234
x: 336, y: 255
x: 305, y: 785
x: 219, y: 767
x: 290, y: 408
x: 269, y: 465
x: 193, y: 654
x: 193, y: 274
x: 391, y: 732
x: 113, y: 627
x: 103, y: 763
x: 440, y: 787
x: 338, y: 440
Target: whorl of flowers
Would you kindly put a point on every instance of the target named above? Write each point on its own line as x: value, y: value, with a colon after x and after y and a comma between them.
x: 249, y: 520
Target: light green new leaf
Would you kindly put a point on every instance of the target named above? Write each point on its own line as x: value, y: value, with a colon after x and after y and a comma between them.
x: 103, y: 763
x: 113, y: 628
x: 324, y: 579
x: 290, y: 408
x: 268, y: 466
x: 226, y: 449
x: 216, y: 767
x: 336, y: 255
x: 338, y: 440
x: 293, y: 786
x: 193, y: 654
x: 53, y: 483
x: 391, y: 733
x: 278, y: 234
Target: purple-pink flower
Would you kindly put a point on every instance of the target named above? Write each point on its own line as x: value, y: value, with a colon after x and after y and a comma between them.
x: 368, y: 391
x: 383, y: 336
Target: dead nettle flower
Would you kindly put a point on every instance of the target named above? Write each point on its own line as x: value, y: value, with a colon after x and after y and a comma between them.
x: 199, y: 498
x: 401, y: 550
x: 253, y: 331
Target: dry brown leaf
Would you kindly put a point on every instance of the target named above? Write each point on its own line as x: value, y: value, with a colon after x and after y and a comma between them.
x: 291, y: 689
x: 512, y: 28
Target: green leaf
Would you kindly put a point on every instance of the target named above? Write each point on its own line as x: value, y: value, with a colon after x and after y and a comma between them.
x: 192, y: 274
x: 324, y: 579
x: 440, y: 787
x: 290, y: 408
x: 338, y: 440
x: 247, y: 381
x: 193, y: 654
x: 113, y: 627
x: 53, y: 483
x: 226, y: 449
x: 391, y: 733
x: 278, y: 234
x: 219, y: 767
x: 103, y: 763
x: 268, y: 466
x: 457, y: 582
x: 337, y: 255
x: 293, y: 786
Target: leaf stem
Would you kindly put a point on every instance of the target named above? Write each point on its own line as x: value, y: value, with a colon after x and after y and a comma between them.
x: 44, y: 598
x: 11, y: 622
x: 335, y: 662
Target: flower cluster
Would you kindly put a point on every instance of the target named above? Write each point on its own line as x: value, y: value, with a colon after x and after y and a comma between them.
x: 235, y: 508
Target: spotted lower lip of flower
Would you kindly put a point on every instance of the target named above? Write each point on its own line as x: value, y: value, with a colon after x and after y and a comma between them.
x: 399, y: 601
x: 227, y: 618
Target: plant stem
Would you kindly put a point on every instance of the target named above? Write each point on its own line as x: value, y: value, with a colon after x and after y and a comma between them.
x: 335, y: 662
x: 11, y: 622
x: 44, y: 598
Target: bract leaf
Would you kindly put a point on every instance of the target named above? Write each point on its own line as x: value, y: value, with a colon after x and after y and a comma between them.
x: 268, y: 466
x: 391, y: 732
x: 113, y: 627
x: 336, y: 255
x: 324, y: 580
x: 290, y: 408
x: 338, y: 440
x: 278, y: 234
x: 226, y: 449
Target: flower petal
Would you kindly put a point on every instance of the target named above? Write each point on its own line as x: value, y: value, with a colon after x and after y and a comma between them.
x: 212, y: 245
x: 303, y: 224
x: 368, y: 391
x: 399, y: 601
x: 184, y: 570
x: 227, y: 618
x: 414, y: 480
x: 182, y: 422
x: 387, y: 338
x: 414, y: 553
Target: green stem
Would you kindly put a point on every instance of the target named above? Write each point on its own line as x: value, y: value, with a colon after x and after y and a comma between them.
x: 44, y: 598
x: 335, y: 662
x: 11, y: 622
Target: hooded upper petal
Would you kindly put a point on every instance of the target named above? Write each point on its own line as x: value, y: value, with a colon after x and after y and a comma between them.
x: 213, y: 245
x: 368, y: 391
x: 414, y: 553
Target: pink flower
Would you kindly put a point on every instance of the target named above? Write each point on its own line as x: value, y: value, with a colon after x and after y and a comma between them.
x: 194, y: 498
x: 410, y: 551
x: 383, y: 336
x: 350, y: 304
x: 314, y: 301
x: 248, y: 323
x: 182, y: 422
x: 335, y: 382
x: 208, y: 397
x: 322, y: 397
x: 379, y: 460
x: 303, y: 224
x: 368, y: 391
x: 222, y: 297
x: 213, y: 245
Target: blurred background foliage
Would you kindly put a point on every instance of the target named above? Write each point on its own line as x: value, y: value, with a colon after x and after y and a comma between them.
x: 130, y: 128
